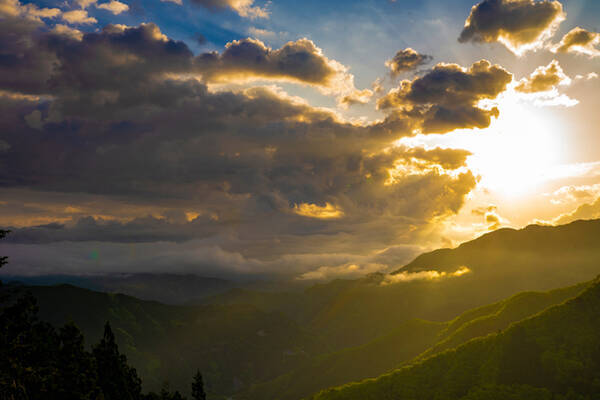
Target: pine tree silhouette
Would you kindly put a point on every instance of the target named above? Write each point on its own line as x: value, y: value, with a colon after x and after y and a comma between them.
x: 198, y: 387
x: 118, y: 380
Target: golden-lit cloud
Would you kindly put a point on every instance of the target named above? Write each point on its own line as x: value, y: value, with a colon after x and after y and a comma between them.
x: 579, y: 40
x: 574, y: 194
x: 544, y: 79
x: 85, y: 3
x: 427, y: 275
x: 520, y: 25
x: 300, y: 62
x: 15, y: 9
x: 490, y: 216
x: 542, y: 87
x: 407, y: 60
x: 584, y: 211
x: 448, y: 97
x: 328, y: 211
x: 346, y: 271
x: 78, y: 17
x: 61, y: 29
x: 114, y: 6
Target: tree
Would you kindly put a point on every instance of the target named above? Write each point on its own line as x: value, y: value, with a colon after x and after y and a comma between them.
x: 76, y: 375
x: 117, y: 380
x: 3, y: 259
x: 198, y: 387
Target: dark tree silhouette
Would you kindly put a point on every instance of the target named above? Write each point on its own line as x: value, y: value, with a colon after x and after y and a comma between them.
x: 118, y: 380
x: 76, y: 369
x: 198, y: 387
x: 3, y: 259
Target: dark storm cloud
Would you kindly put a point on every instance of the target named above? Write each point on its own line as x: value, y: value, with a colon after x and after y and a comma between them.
x: 579, y: 40
x: 447, y: 97
x: 518, y: 24
x: 114, y: 114
x: 407, y: 60
x: 131, y: 56
x: 138, y: 230
x: 24, y: 66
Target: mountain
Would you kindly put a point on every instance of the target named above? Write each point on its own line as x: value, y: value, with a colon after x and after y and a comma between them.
x: 554, y: 355
x: 540, y: 255
x: 272, y: 343
x: 165, y: 288
x: 501, y: 263
x: 233, y: 346
x: 413, y: 339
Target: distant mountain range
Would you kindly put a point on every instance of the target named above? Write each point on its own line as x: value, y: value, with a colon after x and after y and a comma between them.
x: 165, y: 288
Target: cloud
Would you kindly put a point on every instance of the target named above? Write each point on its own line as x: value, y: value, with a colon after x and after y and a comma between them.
x: 78, y: 17
x: 589, y: 76
x: 584, y: 211
x: 544, y: 79
x: 521, y: 25
x: 542, y: 87
x: 449, y: 159
x: 245, y: 8
x: 131, y: 147
x: 347, y: 271
x: 65, y: 30
x: 262, y: 33
x: 482, y: 211
x: 407, y: 60
x: 572, y: 193
x: 85, y: 3
x: 429, y: 275
x: 490, y: 215
x: 31, y: 12
x: 447, y: 97
x: 300, y: 61
x: 579, y: 40
x: 328, y: 211
x: 114, y: 6
x: 493, y: 220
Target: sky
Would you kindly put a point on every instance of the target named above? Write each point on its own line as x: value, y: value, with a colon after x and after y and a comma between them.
x: 281, y: 139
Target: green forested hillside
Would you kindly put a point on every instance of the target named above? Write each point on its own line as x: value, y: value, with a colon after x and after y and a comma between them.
x: 233, y: 345
x: 405, y: 343
x: 554, y: 355
x: 356, y: 363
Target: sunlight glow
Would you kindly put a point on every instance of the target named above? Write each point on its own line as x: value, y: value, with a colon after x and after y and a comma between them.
x: 519, y: 151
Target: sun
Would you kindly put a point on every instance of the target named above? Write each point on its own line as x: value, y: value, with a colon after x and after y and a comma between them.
x: 517, y: 153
